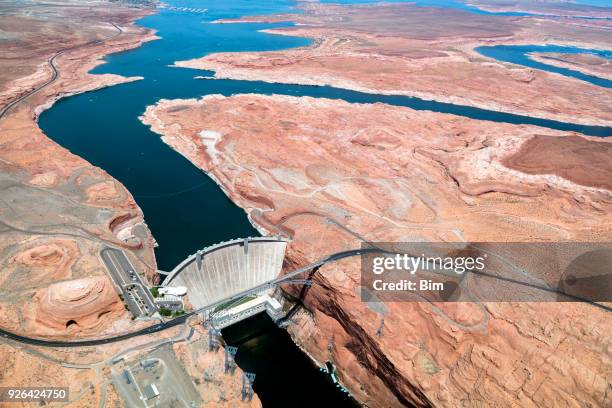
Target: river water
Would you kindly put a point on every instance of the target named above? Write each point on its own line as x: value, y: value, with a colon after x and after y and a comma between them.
x: 519, y: 54
x: 183, y: 207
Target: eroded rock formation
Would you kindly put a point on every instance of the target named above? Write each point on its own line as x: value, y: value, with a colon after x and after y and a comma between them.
x: 79, y: 305
x: 402, y: 49
x: 331, y: 174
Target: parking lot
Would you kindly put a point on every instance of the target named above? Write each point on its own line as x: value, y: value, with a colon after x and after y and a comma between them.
x: 174, y: 387
x: 135, y: 292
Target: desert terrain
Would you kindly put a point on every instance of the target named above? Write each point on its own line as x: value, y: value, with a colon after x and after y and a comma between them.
x: 586, y: 63
x: 88, y: 371
x: 402, y: 49
x: 544, y: 7
x: 57, y: 211
x: 326, y: 172
x: 332, y: 174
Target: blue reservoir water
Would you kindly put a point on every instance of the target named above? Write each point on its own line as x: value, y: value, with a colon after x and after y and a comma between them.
x: 183, y: 207
x: 596, y: 3
x: 518, y: 54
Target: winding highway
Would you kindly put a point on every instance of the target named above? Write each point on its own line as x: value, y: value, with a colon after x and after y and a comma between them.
x: 55, y: 71
x: 335, y: 257
x: 94, y: 342
x: 181, y: 319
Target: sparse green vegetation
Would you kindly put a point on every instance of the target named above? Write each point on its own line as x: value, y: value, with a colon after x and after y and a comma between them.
x: 234, y: 303
x: 165, y: 312
x: 154, y: 292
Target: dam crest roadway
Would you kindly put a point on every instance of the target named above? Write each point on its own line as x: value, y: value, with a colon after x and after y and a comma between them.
x: 253, y: 263
x: 253, y: 266
x: 219, y: 273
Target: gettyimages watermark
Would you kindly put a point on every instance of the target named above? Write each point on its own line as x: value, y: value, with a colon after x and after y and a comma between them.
x: 486, y: 271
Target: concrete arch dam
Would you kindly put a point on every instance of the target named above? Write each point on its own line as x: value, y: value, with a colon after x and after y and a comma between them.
x: 227, y: 270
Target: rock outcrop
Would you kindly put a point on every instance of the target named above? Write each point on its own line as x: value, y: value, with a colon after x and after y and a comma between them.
x: 81, y: 305
x: 403, y: 49
x: 331, y: 174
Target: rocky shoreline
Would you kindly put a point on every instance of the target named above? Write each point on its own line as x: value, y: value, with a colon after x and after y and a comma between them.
x: 585, y: 63
x: 436, y: 60
x: 353, y: 172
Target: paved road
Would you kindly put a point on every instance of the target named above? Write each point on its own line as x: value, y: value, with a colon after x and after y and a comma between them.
x: 55, y: 71
x: 119, y: 276
x: 181, y: 319
x: 95, y: 342
x: 176, y: 321
x: 135, y: 291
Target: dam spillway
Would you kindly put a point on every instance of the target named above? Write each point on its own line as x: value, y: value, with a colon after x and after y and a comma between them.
x: 223, y: 270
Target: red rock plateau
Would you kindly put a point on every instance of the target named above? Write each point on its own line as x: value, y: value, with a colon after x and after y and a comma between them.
x: 57, y: 211
x: 544, y: 7
x: 78, y: 305
x: 586, y: 63
x: 87, y: 371
x: 583, y: 162
x: 428, y: 53
x: 326, y: 172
